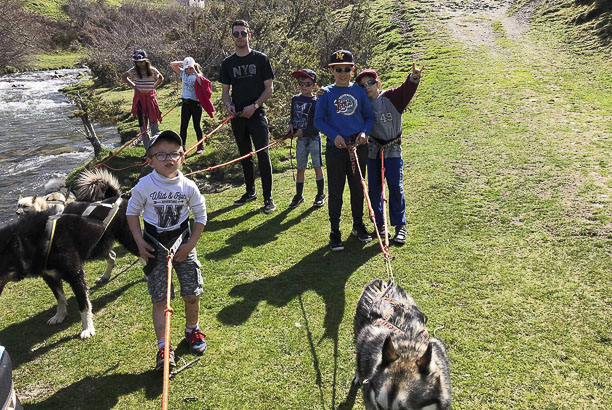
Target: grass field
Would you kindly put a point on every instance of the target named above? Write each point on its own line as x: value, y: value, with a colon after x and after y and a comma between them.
x: 507, y: 150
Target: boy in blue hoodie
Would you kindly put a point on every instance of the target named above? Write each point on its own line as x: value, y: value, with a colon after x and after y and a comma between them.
x: 344, y: 114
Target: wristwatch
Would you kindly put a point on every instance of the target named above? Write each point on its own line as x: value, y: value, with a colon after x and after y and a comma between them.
x: 256, y: 105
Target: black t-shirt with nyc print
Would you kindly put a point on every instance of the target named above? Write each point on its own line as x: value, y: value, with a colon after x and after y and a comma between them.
x: 246, y: 76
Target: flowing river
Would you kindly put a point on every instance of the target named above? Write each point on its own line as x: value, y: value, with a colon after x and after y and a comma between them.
x: 38, y: 139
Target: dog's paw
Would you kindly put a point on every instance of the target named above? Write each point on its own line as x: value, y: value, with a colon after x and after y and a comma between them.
x: 58, y: 318
x: 356, y: 379
x: 87, y: 333
x: 102, y: 280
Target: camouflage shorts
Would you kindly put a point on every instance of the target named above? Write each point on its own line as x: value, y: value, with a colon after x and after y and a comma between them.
x: 188, y: 273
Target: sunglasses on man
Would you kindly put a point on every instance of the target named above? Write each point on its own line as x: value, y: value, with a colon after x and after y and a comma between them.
x: 345, y: 69
x: 369, y: 83
x: 240, y: 33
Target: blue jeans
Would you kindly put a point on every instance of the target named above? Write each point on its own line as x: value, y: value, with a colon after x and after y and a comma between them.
x: 394, y: 174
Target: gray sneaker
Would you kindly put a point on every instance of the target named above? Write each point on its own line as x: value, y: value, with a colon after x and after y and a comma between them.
x: 159, y: 359
x: 319, y: 201
x: 400, y: 234
x: 269, y: 206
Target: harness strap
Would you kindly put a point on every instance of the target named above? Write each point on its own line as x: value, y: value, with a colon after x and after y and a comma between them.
x: 388, y: 325
x: 50, y: 231
x: 93, y: 206
x: 175, y: 245
x: 384, y: 143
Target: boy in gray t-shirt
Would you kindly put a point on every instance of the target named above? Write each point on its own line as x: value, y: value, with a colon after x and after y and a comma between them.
x: 388, y: 107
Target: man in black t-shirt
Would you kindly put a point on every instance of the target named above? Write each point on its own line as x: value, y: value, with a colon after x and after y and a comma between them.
x: 249, y: 74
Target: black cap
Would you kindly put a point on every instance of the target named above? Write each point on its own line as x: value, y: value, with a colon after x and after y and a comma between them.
x: 140, y: 55
x: 341, y: 57
x: 305, y: 72
x: 167, y: 135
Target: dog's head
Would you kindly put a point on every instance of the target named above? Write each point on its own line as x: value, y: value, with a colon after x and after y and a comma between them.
x: 13, y: 261
x: 29, y: 204
x: 407, y: 381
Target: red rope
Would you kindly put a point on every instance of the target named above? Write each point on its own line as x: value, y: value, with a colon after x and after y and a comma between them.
x: 384, y: 197
x: 127, y: 144
x: 383, y: 248
x: 208, y: 135
x: 245, y: 156
x: 168, y: 315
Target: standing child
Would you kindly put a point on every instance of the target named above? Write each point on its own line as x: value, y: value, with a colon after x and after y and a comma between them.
x: 386, y: 136
x: 164, y: 198
x: 144, y: 79
x: 308, y: 137
x: 195, y: 95
x: 344, y: 115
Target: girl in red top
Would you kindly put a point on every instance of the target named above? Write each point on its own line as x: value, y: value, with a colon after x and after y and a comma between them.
x: 144, y: 79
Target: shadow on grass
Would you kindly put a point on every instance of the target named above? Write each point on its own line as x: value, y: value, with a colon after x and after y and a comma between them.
x: 26, y: 340
x: 323, y: 272
x: 102, y: 392
x: 262, y: 234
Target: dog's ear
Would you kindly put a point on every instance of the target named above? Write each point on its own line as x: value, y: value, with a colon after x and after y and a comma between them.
x: 20, y: 198
x: 423, y: 362
x: 389, y: 354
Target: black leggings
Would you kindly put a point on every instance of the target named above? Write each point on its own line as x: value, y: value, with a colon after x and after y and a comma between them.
x: 191, y: 108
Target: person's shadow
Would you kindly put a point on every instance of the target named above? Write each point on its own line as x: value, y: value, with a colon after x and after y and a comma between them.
x: 262, y: 234
x: 323, y: 272
x: 102, y: 392
x: 24, y: 338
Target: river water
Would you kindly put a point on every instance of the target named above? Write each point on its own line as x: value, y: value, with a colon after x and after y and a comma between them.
x: 38, y: 140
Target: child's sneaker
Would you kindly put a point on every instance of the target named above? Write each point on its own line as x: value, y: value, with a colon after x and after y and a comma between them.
x: 196, y: 342
x: 319, y: 201
x: 400, y: 234
x: 296, y: 201
x: 159, y: 361
x: 269, y: 206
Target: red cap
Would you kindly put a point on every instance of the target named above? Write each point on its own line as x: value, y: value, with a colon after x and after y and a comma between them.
x: 305, y: 72
x: 367, y: 72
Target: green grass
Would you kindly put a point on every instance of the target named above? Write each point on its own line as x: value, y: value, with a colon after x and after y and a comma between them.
x: 507, y: 184
x: 57, y: 60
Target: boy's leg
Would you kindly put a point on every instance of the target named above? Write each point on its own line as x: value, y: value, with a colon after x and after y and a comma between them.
x: 258, y: 129
x: 336, y: 160
x: 356, y: 190
x: 185, y: 117
x: 394, y: 174
x: 190, y: 278
x: 243, y: 141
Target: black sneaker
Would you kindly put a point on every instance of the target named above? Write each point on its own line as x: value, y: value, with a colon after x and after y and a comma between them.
x: 246, y: 197
x: 335, y: 241
x: 159, y: 360
x: 319, y: 200
x: 269, y: 206
x: 361, y: 233
x: 296, y: 201
x: 400, y: 234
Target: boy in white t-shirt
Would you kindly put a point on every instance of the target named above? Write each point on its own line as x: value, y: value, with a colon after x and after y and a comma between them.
x: 164, y: 198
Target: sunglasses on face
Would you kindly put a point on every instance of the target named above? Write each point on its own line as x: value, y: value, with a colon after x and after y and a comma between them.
x: 368, y: 83
x: 240, y: 33
x: 304, y: 84
x: 163, y: 156
x: 345, y: 69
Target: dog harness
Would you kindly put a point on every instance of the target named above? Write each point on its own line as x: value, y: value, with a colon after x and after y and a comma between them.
x: 52, y: 222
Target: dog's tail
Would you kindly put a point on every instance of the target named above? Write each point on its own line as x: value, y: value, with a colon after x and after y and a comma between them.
x: 97, y: 185
x: 54, y: 185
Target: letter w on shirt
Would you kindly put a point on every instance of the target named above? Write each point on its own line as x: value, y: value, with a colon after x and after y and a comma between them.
x: 168, y: 215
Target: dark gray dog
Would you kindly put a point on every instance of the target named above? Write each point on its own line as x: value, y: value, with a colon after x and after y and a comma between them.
x: 398, y: 364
